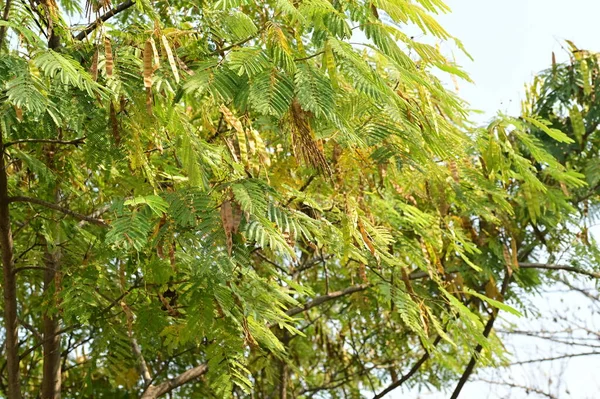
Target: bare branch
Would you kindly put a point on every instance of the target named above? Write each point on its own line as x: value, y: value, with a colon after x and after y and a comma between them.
x: 326, y: 298
x: 550, y: 359
x: 526, y: 388
x: 559, y: 267
x: 154, y: 391
x: 75, y: 142
x: 410, y: 373
x: 103, y: 18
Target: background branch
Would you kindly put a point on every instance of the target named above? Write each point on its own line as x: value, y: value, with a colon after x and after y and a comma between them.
x: 105, y: 17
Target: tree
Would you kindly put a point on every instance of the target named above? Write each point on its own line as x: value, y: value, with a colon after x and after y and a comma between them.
x: 565, y: 95
x: 238, y: 198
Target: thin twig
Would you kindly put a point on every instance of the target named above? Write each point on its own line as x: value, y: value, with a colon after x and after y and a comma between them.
x: 326, y: 298
x: 410, y: 373
x: 526, y: 388
x: 551, y: 359
x: 559, y: 267
x: 75, y: 142
x: 66, y: 211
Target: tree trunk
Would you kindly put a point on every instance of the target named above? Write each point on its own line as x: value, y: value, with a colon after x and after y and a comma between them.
x: 52, y: 378
x: 10, y: 285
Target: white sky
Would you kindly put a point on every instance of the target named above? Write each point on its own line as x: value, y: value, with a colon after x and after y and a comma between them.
x: 511, y: 40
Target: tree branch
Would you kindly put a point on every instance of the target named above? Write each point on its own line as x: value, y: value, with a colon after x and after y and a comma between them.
x: 75, y: 142
x: 526, y: 388
x: 338, y: 294
x: 410, y: 373
x: 3, y: 28
x: 559, y: 267
x: 154, y: 391
x: 105, y: 17
x: 326, y: 298
x: 550, y: 359
x: 66, y: 211
x: 486, y: 332
x: 11, y: 325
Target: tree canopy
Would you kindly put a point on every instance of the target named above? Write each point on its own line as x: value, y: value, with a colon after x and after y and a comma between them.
x: 271, y: 199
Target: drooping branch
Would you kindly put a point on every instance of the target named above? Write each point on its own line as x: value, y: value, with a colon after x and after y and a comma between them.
x: 103, y: 18
x: 559, y: 267
x: 66, y: 211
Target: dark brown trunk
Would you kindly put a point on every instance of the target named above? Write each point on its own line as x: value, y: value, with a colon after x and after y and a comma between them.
x: 10, y: 285
x: 51, y: 378
x: 283, y: 375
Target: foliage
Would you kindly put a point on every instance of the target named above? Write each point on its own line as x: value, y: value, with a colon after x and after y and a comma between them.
x: 234, y: 198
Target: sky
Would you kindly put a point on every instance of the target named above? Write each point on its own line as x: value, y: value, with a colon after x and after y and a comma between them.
x: 510, y: 41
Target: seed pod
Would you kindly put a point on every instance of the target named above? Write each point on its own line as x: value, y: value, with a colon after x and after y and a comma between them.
x: 108, y: 55
x: 94, y: 67
x: 148, y: 65
x: 155, y: 52
x: 228, y: 224
x: 114, y: 124
x: 170, y: 58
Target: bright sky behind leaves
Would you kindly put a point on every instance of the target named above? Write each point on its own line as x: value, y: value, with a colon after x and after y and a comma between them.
x: 510, y: 41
